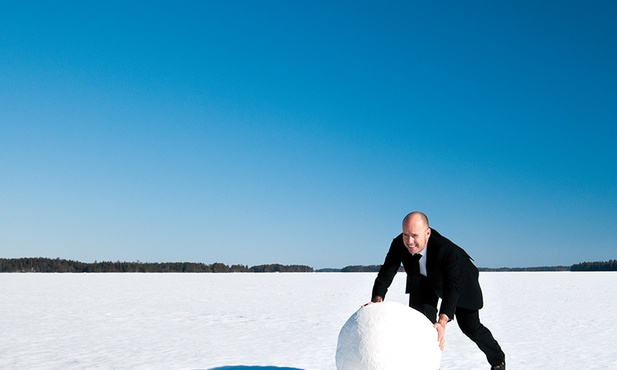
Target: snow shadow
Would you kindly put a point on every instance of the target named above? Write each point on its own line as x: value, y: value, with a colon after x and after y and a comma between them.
x: 254, y: 368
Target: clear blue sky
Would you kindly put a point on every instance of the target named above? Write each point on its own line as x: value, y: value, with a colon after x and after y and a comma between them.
x: 252, y: 132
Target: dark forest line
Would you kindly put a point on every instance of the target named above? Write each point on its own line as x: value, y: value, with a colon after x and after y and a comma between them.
x: 62, y: 265
x: 41, y: 264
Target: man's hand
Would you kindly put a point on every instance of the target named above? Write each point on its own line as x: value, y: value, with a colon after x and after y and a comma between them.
x: 441, y: 335
x: 440, y: 326
x: 375, y: 300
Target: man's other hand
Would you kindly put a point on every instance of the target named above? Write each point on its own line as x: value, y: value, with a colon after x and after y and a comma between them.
x: 441, y: 335
x: 375, y: 300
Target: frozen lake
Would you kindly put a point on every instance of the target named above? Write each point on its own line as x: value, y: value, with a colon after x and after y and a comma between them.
x: 543, y: 320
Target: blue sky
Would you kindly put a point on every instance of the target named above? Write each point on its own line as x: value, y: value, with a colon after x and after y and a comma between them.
x: 251, y: 132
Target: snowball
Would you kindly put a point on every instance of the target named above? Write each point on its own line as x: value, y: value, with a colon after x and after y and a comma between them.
x: 388, y: 336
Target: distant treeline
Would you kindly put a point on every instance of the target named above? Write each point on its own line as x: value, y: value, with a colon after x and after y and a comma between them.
x: 540, y: 268
x: 585, y: 266
x: 358, y: 268
x: 62, y: 265
x: 596, y: 266
x: 369, y: 268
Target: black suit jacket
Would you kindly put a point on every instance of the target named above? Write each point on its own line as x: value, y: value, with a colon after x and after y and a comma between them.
x: 451, y: 276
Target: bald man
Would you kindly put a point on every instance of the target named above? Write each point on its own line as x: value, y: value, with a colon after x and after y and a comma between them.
x: 437, y: 268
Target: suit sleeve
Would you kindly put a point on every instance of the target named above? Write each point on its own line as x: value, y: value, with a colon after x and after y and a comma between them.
x: 452, y: 282
x: 387, y: 271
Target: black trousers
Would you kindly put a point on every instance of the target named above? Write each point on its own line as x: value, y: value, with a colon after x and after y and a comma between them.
x: 469, y: 322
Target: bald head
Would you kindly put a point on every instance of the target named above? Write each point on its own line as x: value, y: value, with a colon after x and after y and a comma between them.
x: 416, y: 232
x: 416, y: 217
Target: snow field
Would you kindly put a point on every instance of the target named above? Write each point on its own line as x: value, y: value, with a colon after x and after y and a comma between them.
x: 555, y: 320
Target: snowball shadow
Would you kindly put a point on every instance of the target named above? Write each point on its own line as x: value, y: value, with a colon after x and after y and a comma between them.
x: 242, y: 367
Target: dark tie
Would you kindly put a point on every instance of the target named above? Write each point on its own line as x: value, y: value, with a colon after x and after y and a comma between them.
x: 415, y: 263
x: 414, y: 282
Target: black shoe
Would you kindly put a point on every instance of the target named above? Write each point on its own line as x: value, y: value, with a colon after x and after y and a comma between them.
x: 501, y: 366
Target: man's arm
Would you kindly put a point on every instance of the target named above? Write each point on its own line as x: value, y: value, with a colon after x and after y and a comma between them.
x: 451, y: 269
x: 387, y: 271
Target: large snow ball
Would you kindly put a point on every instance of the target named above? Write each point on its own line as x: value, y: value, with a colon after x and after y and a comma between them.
x: 388, y: 336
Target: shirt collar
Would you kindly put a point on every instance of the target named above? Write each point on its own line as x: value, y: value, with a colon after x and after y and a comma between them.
x: 423, y: 252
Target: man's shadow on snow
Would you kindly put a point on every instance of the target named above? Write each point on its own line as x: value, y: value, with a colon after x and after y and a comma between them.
x: 254, y: 368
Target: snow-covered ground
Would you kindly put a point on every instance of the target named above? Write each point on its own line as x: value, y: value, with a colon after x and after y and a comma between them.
x: 543, y: 320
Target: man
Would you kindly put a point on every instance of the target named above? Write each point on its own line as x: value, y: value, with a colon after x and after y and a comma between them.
x: 438, y: 268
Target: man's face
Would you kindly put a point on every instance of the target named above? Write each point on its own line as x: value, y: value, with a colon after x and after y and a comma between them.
x: 415, y: 235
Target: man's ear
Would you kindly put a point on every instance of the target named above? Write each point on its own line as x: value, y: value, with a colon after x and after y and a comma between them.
x: 428, y: 233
